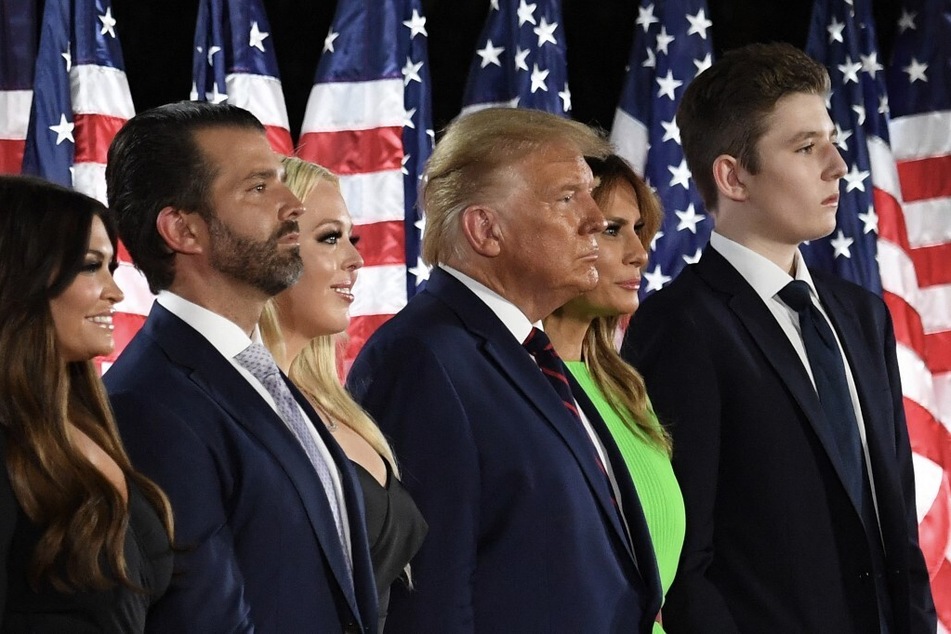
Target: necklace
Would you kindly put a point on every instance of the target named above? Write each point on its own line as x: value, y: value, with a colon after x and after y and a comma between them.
x: 328, y: 422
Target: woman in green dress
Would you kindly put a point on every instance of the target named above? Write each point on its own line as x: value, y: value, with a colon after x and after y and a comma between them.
x: 583, y: 333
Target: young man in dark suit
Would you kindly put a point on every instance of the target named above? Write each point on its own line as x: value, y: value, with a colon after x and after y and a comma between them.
x: 779, y: 385
x: 534, y: 524
x: 269, y: 519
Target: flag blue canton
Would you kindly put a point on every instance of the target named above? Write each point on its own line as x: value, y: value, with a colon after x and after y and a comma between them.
x: 75, y: 33
x: 922, y: 43
x: 842, y: 38
x: 17, y: 44
x: 672, y: 45
x: 521, y: 59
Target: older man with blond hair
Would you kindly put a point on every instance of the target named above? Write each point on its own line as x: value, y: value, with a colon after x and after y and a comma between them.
x: 534, y: 524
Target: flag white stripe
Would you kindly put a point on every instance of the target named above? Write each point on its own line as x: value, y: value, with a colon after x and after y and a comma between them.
x: 476, y: 107
x: 100, y: 90
x: 15, y: 106
x: 363, y: 105
x: 631, y: 139
x: 942, y: 389
x: 921, y: 135
x: 380, y: 290
x: 932, y: 303
x: 138, y: 300
x: 374, y: 197
x: 261, y: 95
x: 928, y: 221
x: 884, y: 169
x: 916, y: 380
x: 90, y: 179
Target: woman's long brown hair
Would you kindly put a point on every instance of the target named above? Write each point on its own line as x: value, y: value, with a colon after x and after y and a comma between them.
x: 44, y: 236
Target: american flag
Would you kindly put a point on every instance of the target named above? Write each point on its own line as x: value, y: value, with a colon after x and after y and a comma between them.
x: 17, y: 54
x: 521, y: 62
x: 81, y: 99
x: 672, y: 45
x: 870, y: 246
x: 234, y: 61
x: 915, y: 258
x: 369, y: 120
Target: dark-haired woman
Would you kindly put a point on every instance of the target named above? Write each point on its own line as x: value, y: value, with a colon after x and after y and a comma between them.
x: 84, y: 539
x: 582, y: 331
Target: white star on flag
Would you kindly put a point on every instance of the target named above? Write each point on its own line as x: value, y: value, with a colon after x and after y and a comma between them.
x: 699, y: 24
x: 520, y: 57
x: 538, y: 79
x: 850, y: 70
x: 657, y: 236
x: 68, y: 56
x: 856, y: 179
x: 63, y: 130
x: 411, y: 72
x: 565, y: 98
x: 663, y: 40
x: 421, y: 271
x: 256, y: 38
x: 869, y: 221
x: 870, y: 63
x: 408, y: 118
x: 416, y: 25
x: 645, y: 17
x: 656, y: 279
x: 841, y: 136
x: 916, y: 70
x: 907, y: 21
x: 835, y: 29
x: 667, y: 85
x: 841, y: 245
x: 329, y: 41
x: 680, y: 174
x: 703, y: 64
x: 108, y: 23
x: 490, y: 54
x: 211, y: 51
x: 671, y: 130
x: 546, y: 32
x: 688, y: 219
x: 526, y: 13
x: 693, y: 259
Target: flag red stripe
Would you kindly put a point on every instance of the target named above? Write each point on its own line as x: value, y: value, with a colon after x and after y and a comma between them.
x: 941, y: 587
x: 927, y: 435
x: 932, y: 264
x: 93, y: 134
x: 938, y: 351
x: 360, y: 330
x: 354, y: 151
x: 11, y: 155
x: 381, y: 243
x: 280, y: 139
x: 925, y: 178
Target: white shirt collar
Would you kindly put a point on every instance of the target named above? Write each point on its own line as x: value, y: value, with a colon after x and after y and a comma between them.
x: 763, y: 275
x: 507, y: 312
x: 226, y: 336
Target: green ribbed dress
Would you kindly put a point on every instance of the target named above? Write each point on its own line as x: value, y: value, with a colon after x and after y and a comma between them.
x: 653, y: 478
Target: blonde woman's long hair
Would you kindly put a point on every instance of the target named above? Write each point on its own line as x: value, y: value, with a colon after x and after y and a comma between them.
x: 314, y: 369
x: 615, y: 377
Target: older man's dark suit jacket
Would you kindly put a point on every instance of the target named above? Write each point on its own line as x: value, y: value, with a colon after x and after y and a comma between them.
x: 523, y: 535
x: 774, y: 543
x: 259, y: 549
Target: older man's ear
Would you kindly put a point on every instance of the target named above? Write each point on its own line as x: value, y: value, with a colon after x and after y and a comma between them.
x: 482, y: 230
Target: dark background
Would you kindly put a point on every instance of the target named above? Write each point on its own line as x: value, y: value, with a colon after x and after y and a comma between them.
x: 157, y: 38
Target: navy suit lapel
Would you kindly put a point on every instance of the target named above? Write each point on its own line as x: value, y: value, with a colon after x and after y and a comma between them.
x: 513, y: 361
x: 714, y: 269
x: 640, y: 542
x: 225, y: 385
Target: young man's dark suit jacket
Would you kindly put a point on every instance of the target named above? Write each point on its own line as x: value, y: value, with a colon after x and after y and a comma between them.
x: 523, y: 536
x: 773, y: 542
x: 259, y: 548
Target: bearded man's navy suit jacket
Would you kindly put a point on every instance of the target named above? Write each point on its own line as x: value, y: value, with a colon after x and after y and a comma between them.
x: 774, y: 543
x: 523, y: 534
x: 258, y: 548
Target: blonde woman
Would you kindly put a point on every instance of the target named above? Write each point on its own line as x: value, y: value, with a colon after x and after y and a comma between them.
x: 582, y: 332
x: 300, y: 327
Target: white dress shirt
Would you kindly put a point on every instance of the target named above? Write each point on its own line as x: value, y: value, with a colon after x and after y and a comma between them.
x: 229, y: 340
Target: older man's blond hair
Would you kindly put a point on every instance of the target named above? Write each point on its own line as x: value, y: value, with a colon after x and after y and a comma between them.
x: 474, y: 149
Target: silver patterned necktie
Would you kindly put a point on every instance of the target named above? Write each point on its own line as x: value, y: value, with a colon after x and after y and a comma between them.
x: 257, y: 360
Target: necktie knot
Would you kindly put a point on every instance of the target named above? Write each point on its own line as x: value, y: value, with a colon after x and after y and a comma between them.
x: 537, y: 343
x: 257, y: 360
x: 796, y: 295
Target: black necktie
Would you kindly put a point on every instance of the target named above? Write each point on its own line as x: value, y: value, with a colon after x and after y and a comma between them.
x: 828, y: 372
